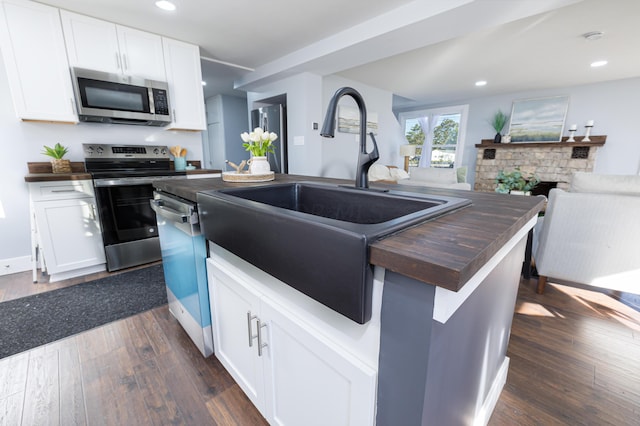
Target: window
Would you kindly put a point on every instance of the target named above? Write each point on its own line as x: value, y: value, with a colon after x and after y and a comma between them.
x: 438, y: 135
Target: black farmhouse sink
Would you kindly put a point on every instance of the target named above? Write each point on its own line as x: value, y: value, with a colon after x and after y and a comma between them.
x: 315, y: 237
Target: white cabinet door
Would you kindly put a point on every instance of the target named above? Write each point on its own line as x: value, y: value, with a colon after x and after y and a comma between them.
x: 300, y: 376
x: 184, y: 75
x: 91, y: 43
x: 33, y: 49
x: 311, y: 380
x: 231, y: 302
x: 141, y: 53
x: 104, y: 46
x: 70, y: 234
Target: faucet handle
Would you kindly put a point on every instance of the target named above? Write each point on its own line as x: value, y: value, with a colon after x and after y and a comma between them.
x: 374, y: 155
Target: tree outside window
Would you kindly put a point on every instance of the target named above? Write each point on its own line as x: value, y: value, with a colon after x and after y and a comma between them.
x: 445, y: 141
x: 447, y: 127
x: 415, y: 136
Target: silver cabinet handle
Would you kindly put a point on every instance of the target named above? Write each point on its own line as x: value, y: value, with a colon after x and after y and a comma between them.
x: 118, y: 61
x: 252, y: 336
x: 260, y: 344
x: 125, y: 64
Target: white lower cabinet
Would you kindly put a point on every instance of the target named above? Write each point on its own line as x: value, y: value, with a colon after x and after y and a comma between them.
x: 67, y: 229
x: 292, y: 372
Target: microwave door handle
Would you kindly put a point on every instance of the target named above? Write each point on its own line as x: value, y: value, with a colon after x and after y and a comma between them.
x: 168, y: 213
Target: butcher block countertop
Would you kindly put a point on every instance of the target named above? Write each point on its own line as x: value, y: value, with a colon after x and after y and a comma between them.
x: 446, y: 251
x: 42, y: 172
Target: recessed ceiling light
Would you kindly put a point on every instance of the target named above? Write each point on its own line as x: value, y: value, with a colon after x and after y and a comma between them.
x: 165, y: 5
x: 481, y: 83
x: 598, y: 64
x: 204, y: 83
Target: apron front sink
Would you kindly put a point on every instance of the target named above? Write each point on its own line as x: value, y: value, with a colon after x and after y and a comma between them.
x: 315, y: 237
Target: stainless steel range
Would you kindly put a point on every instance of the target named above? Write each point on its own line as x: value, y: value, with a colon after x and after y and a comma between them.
x: 122, y: 177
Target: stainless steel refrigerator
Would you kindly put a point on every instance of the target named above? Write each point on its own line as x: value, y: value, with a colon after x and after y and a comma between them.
x: 273, y: 119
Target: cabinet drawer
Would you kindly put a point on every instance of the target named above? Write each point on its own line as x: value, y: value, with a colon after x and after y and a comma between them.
x: 61, y: 190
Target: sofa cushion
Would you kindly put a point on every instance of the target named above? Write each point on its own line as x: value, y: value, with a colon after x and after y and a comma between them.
x: 458, y: 185
x: 611, y: 184
x: 434, y: 175
x: 398, y: 174
x: 379, y: 172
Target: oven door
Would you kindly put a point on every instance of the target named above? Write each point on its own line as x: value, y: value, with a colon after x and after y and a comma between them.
x: 128, y: 223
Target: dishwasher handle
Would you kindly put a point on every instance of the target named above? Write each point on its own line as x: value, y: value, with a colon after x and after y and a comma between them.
x: 169, y: 213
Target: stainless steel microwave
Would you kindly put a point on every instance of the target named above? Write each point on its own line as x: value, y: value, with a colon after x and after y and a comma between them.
x: 115, y: 98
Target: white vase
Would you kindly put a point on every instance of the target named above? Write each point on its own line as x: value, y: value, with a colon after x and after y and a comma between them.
x: 259, y: 165
x: 515, y: 192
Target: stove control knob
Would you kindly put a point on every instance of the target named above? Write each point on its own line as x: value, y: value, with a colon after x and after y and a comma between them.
x: 163, y: 151
x: 89, y: 150
x: 156, y: 151
x: 99, y: 150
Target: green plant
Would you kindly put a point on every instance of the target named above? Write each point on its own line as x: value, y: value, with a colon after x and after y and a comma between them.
x: 499, y: 120
x: 57, y: 152
x: 515, y: 181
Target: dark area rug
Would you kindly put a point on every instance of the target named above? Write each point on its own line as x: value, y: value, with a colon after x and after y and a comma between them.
x: 33, y: 321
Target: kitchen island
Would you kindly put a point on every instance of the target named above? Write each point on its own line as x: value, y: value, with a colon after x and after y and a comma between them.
x: 444, y: 295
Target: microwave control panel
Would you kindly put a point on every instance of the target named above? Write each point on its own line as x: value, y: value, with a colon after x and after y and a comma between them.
x: 160, y: 103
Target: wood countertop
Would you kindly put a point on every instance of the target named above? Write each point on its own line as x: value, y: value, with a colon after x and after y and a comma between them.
x: 81, y: 174
x: 446, y: 251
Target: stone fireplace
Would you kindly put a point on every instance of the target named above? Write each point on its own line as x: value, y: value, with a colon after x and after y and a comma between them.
x: 552, y: 162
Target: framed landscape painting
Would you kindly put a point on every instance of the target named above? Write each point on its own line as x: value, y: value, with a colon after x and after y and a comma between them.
x: 538, y: 120
x: 349, y: 120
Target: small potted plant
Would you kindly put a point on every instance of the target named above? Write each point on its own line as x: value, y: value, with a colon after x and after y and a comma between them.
x: 515, y: 182
x: 498, y: 122
x: 58, y: 164
x: 259, y: 143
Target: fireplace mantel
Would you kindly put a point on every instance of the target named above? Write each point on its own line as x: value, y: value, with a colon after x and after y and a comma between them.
x: 551, y: 161
x: 595, y: 141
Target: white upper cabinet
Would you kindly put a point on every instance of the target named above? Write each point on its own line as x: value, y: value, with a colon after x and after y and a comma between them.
x: 104, y: 46
x: 184, y: 75
x: 141, y: 53
x: 34, y: 55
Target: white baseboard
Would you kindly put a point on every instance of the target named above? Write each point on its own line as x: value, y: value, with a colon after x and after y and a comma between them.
x: 14, y: 265
x: 486, y: 410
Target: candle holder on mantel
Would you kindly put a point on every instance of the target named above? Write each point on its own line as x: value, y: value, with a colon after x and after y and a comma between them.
x: 571, y: 134
x: 587, y: 133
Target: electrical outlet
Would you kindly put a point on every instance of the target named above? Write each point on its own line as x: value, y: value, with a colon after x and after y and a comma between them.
x: 314, y: 125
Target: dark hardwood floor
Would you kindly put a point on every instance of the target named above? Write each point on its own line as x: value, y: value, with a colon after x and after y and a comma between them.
x: 574, y: 361
x: 142, y: 370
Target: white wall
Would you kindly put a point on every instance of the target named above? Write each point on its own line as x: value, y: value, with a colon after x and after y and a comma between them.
x: 340, y: 154
x: 307, y: 98
x: 22, y: 142
x: 613, y: 105
x: 304, y: 97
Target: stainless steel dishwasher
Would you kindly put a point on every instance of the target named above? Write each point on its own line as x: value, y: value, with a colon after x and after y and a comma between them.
x: 184, y: 252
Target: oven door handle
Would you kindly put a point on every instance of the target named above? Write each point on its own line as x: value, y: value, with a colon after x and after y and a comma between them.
x: 168, y: 213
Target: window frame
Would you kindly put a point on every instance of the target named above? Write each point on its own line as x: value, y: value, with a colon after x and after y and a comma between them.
x: 463, y: 110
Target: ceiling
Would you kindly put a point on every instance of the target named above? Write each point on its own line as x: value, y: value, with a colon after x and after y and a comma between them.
x: 424, y: 51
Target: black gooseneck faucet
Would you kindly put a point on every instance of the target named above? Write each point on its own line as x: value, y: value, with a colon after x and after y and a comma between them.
x: 365, y: 160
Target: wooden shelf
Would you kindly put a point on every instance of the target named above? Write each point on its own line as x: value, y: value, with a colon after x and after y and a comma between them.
x: 595, y: 141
